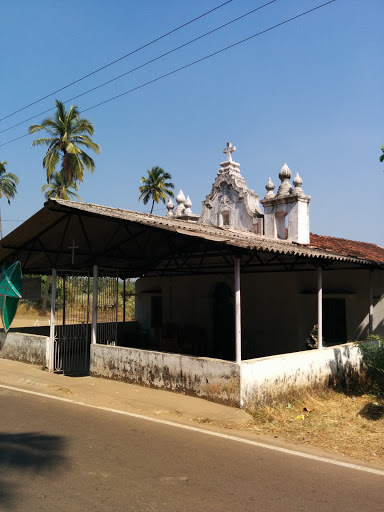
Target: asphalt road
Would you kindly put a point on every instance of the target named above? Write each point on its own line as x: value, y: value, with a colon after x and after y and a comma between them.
x: 56, y: 456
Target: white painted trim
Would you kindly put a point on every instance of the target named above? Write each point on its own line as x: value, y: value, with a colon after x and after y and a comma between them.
x: 94, y: 304
x: 51, y: 348
x: 370, y: 322
x: 237, y: 310
x: 319, y: 308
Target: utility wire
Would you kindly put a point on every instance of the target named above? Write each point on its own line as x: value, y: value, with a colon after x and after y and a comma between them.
x: 194, y: 62
x: 143, y: 65
x: 117, y: 60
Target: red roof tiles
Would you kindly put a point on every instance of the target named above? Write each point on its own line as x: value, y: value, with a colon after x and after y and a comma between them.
x: 345, y: 247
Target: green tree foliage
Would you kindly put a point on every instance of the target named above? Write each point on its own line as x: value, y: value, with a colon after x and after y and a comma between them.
x: 69, y: 135
x: 382, y: 156
x: 56, y: 187
x: 8, y: 186
x: 8, y: 183
x: 155, y: 186
x: 373, y: 353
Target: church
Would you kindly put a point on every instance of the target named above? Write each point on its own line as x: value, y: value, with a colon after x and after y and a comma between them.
x: 279, y: 293
x: 225, y: 300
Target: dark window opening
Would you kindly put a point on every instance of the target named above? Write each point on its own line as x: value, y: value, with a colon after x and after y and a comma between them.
x: 334, y: 321
x: 156, y: 311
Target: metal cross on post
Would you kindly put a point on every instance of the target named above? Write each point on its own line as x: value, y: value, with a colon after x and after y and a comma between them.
x: 229, y: 150
x: 73, y: 251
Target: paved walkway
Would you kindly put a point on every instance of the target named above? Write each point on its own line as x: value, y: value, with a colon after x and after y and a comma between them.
x: 119, y: 395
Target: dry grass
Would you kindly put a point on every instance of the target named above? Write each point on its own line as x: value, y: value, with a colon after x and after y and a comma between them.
x: 351, y: 425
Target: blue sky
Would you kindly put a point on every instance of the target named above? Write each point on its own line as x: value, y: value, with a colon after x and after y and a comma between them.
x: 309, y: 93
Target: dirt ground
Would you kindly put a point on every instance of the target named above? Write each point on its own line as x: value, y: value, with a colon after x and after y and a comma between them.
x: 352, y: 425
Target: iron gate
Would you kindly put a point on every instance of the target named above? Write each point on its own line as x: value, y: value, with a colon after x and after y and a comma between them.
x: 72, y: 318
x: 107, y: 307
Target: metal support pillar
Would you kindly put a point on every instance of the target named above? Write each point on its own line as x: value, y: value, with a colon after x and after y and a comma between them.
x: 64, y: 297
x: 319, y: 308
x: 52, y: 323
x: 370, y: 325
x: 94, y: 304
x: 237, y: 310
x: 124, y: 300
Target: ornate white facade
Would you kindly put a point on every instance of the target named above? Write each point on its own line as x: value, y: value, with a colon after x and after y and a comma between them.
x: 231, y: 204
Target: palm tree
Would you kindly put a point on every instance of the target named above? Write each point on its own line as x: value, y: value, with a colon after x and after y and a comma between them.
x: 55, y: 187
x: 68, y: 135
x: 156, y: 186
x: 8, y: 187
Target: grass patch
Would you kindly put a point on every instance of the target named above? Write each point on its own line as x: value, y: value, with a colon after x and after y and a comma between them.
x: 348, y: 424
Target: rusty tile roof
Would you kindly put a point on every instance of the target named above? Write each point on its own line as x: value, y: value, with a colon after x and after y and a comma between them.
x: 346, y: 247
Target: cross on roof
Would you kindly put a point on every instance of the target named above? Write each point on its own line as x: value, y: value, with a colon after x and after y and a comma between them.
x: 229, y: 150
x: 73, y: 251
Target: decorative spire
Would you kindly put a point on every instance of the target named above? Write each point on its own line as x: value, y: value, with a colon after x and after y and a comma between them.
x: 285, y: 186
x: 298, y: 191
x: 187, y: 206
x: 285, y: 173
x: 180, y: 199
x: 170, y: 207
x: 270, y: 186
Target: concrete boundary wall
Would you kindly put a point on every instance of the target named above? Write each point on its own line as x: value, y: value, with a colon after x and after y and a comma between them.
x: 276, y: 377
x: 248, y: 384
x: 26, y: 348
x: 212, y: 379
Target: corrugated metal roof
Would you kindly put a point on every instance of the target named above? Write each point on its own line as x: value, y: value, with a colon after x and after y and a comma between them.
x: 138, y: 243
x: 235, y: 238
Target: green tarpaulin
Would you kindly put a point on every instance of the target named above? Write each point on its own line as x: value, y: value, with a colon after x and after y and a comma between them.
x: 10, y: 292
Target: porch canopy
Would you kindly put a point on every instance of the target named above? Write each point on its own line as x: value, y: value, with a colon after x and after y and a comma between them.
x: 70, y: 235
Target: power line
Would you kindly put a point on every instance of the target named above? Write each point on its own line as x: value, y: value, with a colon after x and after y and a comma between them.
x: 142, y: 65
x: 208, y: 56
x: 194, y: 62
x: 117, y: 60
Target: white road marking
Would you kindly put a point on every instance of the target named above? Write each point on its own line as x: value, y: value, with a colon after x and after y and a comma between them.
x: 206, y: 432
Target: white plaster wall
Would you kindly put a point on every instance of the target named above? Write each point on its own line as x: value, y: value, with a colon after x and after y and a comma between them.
x: 298, y: 222
x: 354, y: 287
x: 215, y: 380
x: 378, y: 303
x: 27, y: 348
x: 275, y: 378
x: 278, y: 309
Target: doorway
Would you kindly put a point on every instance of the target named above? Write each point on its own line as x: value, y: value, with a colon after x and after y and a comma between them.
x: 223, y: 322
x: 334, y: 321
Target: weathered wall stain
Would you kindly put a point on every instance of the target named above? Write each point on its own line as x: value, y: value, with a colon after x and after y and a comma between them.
x: 275, y: 378
x: 212, y: 379
x: 26, y: 348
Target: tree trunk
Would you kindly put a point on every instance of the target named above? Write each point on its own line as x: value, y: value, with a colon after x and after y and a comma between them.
x: 43, y: 309
x: 153, y: 204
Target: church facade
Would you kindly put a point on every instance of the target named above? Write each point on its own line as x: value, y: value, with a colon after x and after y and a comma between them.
x: 279, y: 304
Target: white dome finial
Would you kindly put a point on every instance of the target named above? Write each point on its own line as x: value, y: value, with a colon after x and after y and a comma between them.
x: 170, y: 207
x: 180, y: 200
x: 187, y: 206
x: 285, y: 186
x: 270, y: 186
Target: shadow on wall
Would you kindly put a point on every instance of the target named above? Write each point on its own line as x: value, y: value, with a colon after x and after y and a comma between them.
x: 42, y: 330
x: 343, y: 373
x: 26, y: 453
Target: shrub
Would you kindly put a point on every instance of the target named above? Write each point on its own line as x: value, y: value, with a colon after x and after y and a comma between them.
x: 373, y: 353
